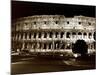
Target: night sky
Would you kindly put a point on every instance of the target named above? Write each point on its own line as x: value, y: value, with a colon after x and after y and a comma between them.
x: 23, y: 9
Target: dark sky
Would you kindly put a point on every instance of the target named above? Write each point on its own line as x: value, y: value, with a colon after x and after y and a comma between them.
x: 22, y: 9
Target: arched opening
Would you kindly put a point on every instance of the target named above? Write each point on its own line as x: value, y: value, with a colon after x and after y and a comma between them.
x: 57, y: 44
x: 90, y: 35
x: 39, y: 35
x: 30, y: 35
x: 50, y: 45
x: 51, y: 34
x: 56, y: 36
x: 79, y: 33
x: 84, y: 35
x: 45, y: 35
x: 44, y: 46
x: 68, y: 35
x: 34, y: 35
x: 62, y: 33
x: 80, y: 47
x: 73, y: 34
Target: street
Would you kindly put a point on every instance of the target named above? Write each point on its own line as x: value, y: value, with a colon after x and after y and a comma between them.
x: 25, y: 65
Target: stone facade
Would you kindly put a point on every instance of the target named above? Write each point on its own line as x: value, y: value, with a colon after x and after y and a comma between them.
x: 52, y: 33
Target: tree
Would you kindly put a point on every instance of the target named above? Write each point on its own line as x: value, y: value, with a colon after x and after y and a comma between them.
x: 80, y: 46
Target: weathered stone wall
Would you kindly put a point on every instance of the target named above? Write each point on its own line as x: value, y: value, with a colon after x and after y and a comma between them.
x: 52, y: 32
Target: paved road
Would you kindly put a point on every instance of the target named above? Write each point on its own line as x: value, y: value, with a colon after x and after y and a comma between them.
x: 36, y: 65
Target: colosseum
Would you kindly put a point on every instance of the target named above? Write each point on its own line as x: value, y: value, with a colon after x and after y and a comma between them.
x: 51, y: 34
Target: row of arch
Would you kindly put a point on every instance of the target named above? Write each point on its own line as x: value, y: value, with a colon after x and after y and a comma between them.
x: 47, y: 45
x: 32, y: 35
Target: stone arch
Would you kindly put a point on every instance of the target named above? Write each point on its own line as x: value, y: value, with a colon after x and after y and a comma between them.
x: 62, y: 33
x: 34, y: 34
x: 73, y: 34
x: 45, y: 35
x: 84, y: 34
x: 79, y: 33
x: 51, y: 34
x: 68, y: 35
x: 90, y: 34
x: 39, y: 35
x: 56, y: 34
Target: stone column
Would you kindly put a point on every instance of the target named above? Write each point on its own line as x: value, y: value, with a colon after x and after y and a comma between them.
x: 32, y: 36
x: 71, y: 35
x: 59, y: 35
x: 92, y: 36
x: 38, y: 46
x: 65, y: 46
x: 64, y: 35
x: 87, y: 35
x: 37, y: 35
x: 19, y: 36
x: 23, y: 45
x: 48, y: 35
x: 42, y: 35
x: 53, y: 35
x: 32, y: 45
x: 53, y: 45
x: 35, y: 47
x: 27, y: 36
x: 24, y: 36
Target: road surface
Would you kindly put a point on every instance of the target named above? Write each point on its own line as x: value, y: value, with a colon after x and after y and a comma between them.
x: 25, y: 65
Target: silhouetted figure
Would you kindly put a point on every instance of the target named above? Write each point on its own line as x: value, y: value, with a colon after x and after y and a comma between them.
x: 80, y: 47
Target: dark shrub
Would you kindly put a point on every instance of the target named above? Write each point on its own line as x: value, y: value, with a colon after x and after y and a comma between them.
x: 80, y: 46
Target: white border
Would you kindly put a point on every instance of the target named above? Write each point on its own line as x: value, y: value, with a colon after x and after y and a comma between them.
x: 5, y: 29
x: 83, y: 2
x: 4, y: 37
